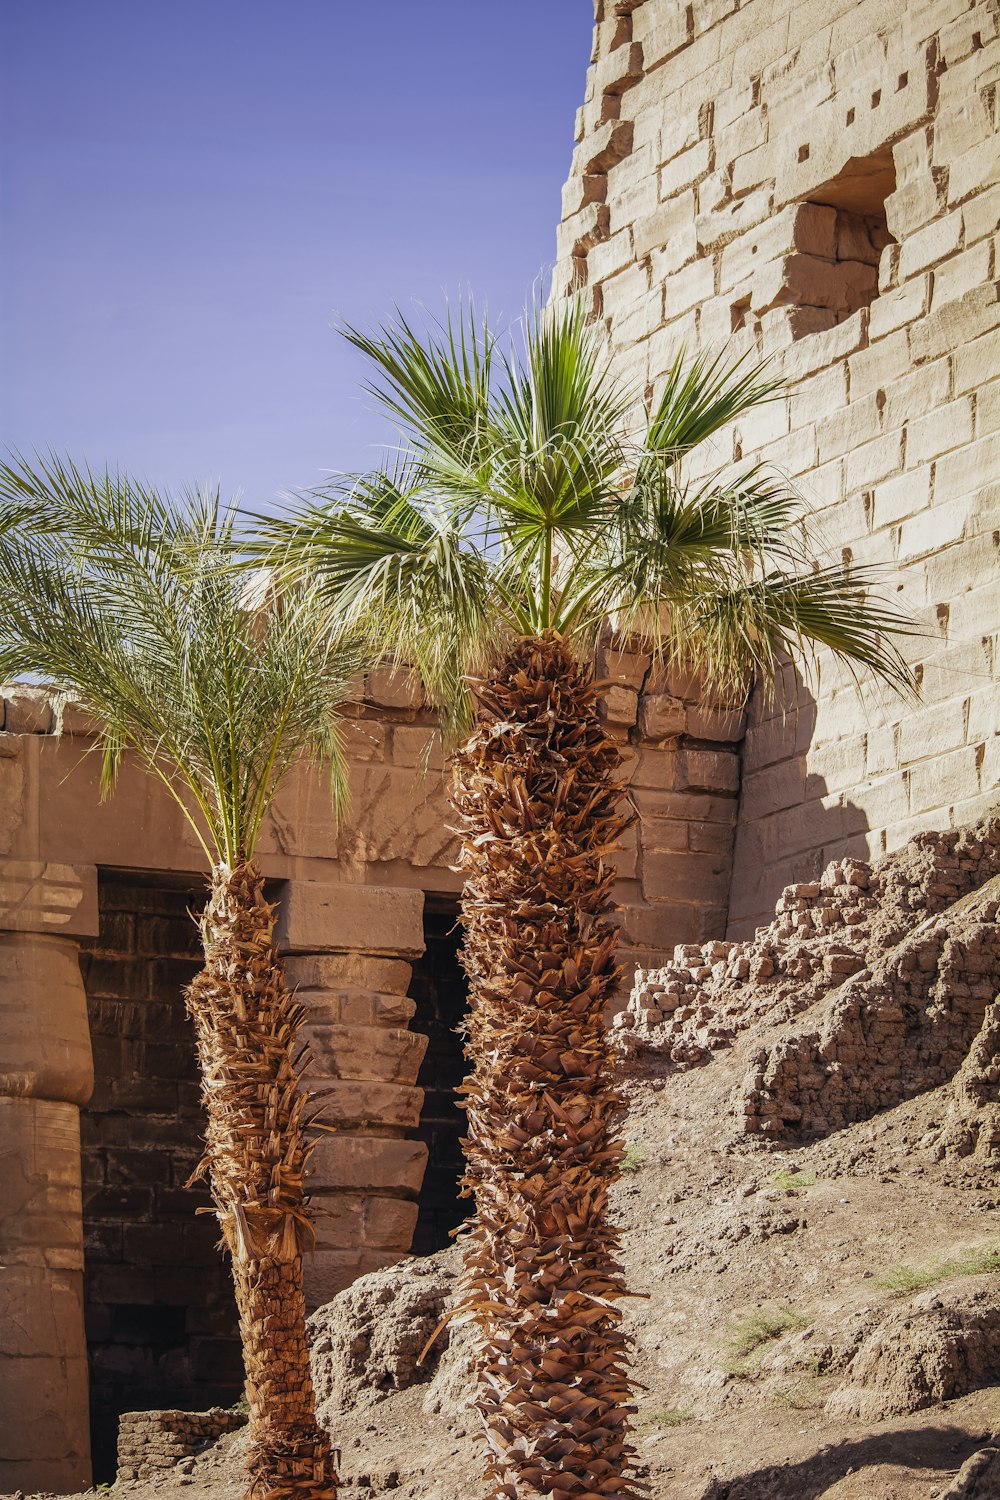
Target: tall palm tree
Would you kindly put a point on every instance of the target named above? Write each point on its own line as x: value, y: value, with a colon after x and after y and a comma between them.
x: 516, y: 521
x: 127, y: 603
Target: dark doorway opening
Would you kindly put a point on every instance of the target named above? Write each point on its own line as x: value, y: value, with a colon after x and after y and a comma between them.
x: 440, y: 990
x: 161, y: 1321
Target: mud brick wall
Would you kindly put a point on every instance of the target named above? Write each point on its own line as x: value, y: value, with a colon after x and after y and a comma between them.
x: 151, y: 1441
x: 819, y: 181
x: 161, y: 1324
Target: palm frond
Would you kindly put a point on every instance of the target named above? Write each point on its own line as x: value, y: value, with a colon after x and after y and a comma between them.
x: 700, y: 397
x: 522, y: 506
x: 129, y: 602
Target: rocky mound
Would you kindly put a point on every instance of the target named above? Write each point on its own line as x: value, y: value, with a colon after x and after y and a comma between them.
x: 822, y: 932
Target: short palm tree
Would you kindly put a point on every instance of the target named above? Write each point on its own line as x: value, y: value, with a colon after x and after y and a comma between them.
x: 517, y: 521
x: 127, y: 603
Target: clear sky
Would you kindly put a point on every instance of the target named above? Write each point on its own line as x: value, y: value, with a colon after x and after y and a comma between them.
x: 194, y: 192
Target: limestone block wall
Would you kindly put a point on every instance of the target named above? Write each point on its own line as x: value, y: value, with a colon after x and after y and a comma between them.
x: 820, y: 183
x: 46, y: 1073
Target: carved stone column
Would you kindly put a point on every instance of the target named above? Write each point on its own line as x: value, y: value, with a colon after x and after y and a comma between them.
x: 46, y: 1073
x: 349, y: 950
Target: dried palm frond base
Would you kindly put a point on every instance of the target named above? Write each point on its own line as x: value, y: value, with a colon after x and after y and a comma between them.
x: 256, y: 1153
x: 538, y: 794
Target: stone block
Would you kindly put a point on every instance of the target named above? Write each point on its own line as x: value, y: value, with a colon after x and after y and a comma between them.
x: 610, y: 255
x: 967, y: 470
x: 661, y: 716
x: 28, y: 710
x: 724, y: 724
x: 394, y: 687
x: 43, y: 1352
x: 415, y: 745
x: 378, y: 1053
x: 321, y: 971
x: 338, y: 1219
x: 365, y: 1164
x: 918, y: 392
x: 696, y: 879
x: 896, y: 499
x: 933, y: 731
x: 670, y: 227
x: 316, y: 917
x: 769, y: 790
x: 961, y: 274
x: 661, y: 33
x: 623, y: 668
x: 927, y: 246
x: 899, y: 307
x: 940, y: 431
x: 43, y: 896
x: 658, y: 926
x: 981, y: 215
x: 654, y: 767
x: 353, y: 1105
x: 327, y: 1272
x: 619, y: 705
x: 874, y: 460
x: 708, y: 771
x: 945, y: 781
x: 389, y: 1223
x: 45, y: 1048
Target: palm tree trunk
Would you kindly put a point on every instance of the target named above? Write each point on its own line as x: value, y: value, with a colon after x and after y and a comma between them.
x: 538, y: 795
x: 255, y: 1155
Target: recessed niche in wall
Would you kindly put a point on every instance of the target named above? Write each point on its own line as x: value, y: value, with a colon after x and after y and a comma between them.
x: 844, y: 274
x: 827, y: 266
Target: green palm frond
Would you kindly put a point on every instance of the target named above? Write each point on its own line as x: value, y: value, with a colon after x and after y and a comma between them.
x: 700, y: 397
x: 129, y: 603
x: 523, y: 505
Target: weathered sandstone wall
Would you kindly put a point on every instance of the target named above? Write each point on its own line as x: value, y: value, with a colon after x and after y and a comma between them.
x: 820, y: 183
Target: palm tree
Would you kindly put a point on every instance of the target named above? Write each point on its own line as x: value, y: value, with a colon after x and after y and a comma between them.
x: 127, y: 603
x: 517, y: 520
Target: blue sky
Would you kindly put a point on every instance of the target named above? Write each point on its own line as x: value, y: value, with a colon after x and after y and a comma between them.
x: 193, y: 192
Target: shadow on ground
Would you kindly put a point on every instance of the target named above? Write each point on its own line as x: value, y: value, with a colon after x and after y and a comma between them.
x: 935, y: 1448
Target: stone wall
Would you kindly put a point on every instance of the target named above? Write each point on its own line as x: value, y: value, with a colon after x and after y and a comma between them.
x: 159, y: 1304
x: 819, y: 181
x: 150, y: 1442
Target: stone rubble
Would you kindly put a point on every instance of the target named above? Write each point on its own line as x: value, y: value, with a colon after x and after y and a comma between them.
x: 150, y: 1442
x: 823, y: 933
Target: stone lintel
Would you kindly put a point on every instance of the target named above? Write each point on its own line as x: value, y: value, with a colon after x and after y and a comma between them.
x: 322, y: 917
x: 43, y: 896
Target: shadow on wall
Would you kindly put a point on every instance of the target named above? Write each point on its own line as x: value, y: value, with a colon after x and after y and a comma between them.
x: 790, y: 825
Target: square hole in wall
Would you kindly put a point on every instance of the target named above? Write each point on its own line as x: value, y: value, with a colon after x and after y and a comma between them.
x: 835, y: 268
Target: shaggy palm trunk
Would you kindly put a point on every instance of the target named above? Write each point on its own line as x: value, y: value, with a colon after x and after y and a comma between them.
x: 255, y: 1154
x: 538, y: 794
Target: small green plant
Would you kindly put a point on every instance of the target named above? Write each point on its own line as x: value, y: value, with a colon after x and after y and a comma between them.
x: 801, y: 1395
x: 634, y: 1158
x: 792, y: 1180
x: 749, y: 1334
x: 672, y: 1416
x: 915, y: 1278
